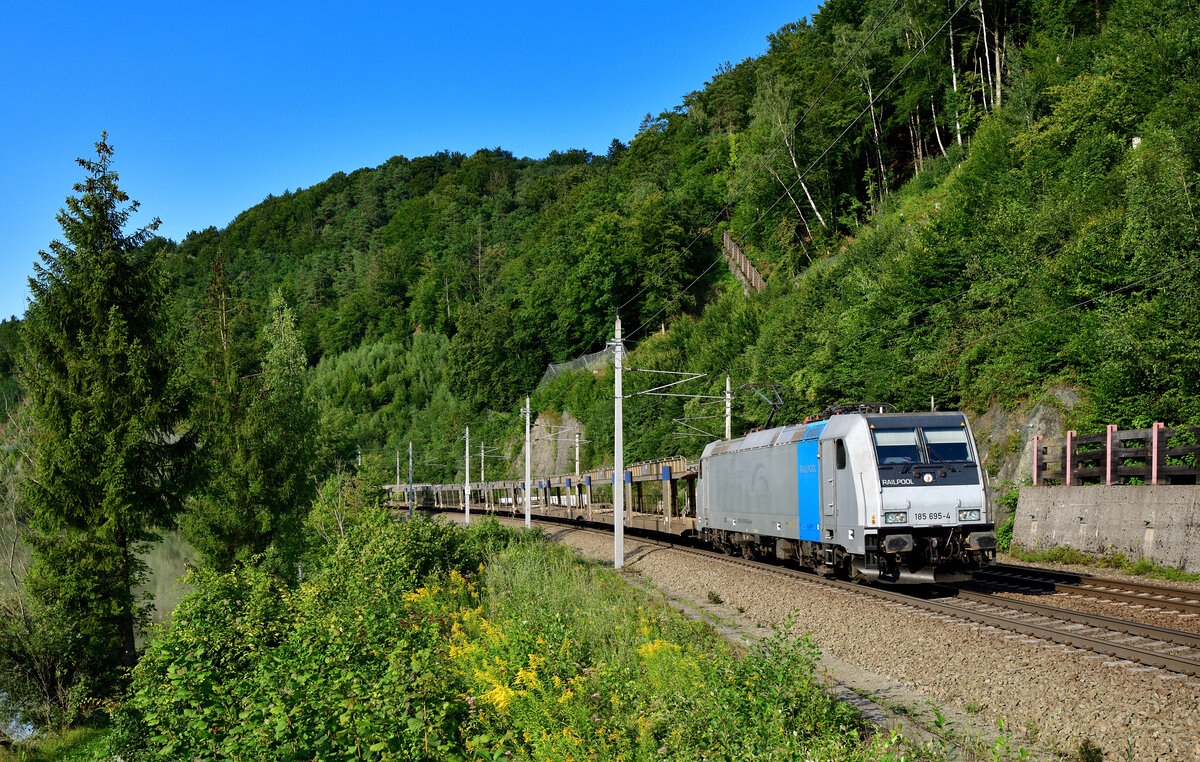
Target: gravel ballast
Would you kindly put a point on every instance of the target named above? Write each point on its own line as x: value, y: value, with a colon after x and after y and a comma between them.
x: 1048, y: 696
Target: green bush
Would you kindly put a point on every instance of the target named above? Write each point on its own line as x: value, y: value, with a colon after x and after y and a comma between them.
x: 1004, y: 532
x: 406, y: 646
x: 349, y: 663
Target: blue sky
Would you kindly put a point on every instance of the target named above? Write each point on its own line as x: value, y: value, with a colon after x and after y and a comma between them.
x: 213, y: 106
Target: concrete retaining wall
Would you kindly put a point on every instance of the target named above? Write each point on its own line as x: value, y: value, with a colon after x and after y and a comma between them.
x: 1160, y: 523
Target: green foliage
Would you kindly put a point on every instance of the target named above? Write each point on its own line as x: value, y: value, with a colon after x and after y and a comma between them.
x: 81, y: 744
x: 975, y: 236
x: 406, y: 646
x: 1142, y: 567
x: 1004, y: 533
x: 38, y: 681
x: 110, y: 452
x: 344, y: 503
x: 960, y: 241
x: 1052, y: 556
x: 250, y: 667
x: 257, y: 428
x: 1088, y: 751
x: 599, y: 670
x: 11, y: 350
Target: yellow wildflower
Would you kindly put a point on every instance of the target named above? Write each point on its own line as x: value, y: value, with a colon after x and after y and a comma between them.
x: 500, y: 696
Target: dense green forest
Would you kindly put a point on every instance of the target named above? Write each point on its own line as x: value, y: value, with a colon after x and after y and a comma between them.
x: 964, y: 201
x: 971, y: 202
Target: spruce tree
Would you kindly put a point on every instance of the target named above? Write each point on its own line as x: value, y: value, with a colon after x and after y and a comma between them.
x: 257, y: 430
x: 110, y: 454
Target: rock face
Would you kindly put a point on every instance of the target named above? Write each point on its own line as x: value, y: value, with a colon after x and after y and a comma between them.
x: 553, y: 444
x: 1006, y: 438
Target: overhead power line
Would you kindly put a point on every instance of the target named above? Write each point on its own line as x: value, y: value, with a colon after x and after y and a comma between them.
x: 783, y: 141
x: 870, y: 105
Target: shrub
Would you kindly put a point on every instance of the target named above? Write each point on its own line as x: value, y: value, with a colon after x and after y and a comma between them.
x: 406, y: 646
x: 1004, y: 532
x: 350, y: 662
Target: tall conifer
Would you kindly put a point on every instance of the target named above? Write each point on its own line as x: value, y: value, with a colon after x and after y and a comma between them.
x: 257, y: 427
x: 102, y: 382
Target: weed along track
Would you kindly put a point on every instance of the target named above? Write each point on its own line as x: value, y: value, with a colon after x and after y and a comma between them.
x: 980, y: 661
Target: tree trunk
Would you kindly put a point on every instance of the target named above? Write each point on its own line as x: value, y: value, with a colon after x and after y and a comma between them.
x: 812, y: 204
x: 920, y: 140
x: 875, y: 132
x: 936, y: 132
x: 786, y: 130
x: 954, y: 86
x: 791, y: 198
x: 996, y: 49
x: 983, y: 91
x: 128, y: 642
x: 987, y: 57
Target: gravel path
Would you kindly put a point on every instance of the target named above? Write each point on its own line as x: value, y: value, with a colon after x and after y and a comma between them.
x: 1048, y: 696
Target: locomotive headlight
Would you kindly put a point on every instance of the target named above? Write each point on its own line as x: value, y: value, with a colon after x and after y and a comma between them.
x: 969, y: 515
x: 896, y: 517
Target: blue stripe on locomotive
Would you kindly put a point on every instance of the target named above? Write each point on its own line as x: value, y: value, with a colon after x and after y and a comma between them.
x: 808, y: 483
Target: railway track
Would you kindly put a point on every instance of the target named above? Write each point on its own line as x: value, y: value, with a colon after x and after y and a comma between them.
x: 1027, y: 580
x: 1124, y: 641
x: 1127, y: 643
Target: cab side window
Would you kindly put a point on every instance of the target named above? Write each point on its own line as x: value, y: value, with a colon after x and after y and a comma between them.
x: 841, y: 455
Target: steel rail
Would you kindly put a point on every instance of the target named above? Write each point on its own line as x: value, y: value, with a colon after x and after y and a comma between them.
x: 1175, y: 599
x: 1184, y: 664
x: 1044, y: 630
x: 1119, y: 626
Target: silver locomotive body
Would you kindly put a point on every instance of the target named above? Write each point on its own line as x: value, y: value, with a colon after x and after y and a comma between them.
x: 895, y: 497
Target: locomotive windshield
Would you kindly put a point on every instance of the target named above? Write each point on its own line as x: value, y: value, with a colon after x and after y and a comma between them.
x: 897, y: 446
x: 948, y: 445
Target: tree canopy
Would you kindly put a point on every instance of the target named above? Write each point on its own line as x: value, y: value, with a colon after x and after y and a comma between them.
x: 110, y: 441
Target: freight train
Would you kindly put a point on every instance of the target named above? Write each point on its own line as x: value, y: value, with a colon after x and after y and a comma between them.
x: 878, y: 496
x: 891, y: 497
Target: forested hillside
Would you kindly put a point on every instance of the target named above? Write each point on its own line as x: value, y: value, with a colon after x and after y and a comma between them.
x: 973, y: 202
x: 964, y: 201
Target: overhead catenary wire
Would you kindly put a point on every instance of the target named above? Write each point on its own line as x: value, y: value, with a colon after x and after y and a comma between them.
x: 959, y: 347
x: 746, y: 184
x: 978, y: 284
x: 775, y: 150
x: 870, y: 104
x: 871, y: 101
x: 800, y: 178
x: 804, y: 116
x: 709, y: 225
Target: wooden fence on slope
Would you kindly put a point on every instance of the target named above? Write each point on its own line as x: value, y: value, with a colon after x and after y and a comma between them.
x: 739, y: 265
x: 1155, y: 455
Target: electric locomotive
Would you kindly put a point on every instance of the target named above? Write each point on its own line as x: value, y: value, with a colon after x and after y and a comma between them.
x: 896, y: 497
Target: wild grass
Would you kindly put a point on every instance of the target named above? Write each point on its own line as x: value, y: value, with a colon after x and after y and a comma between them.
x: 83, y: 743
